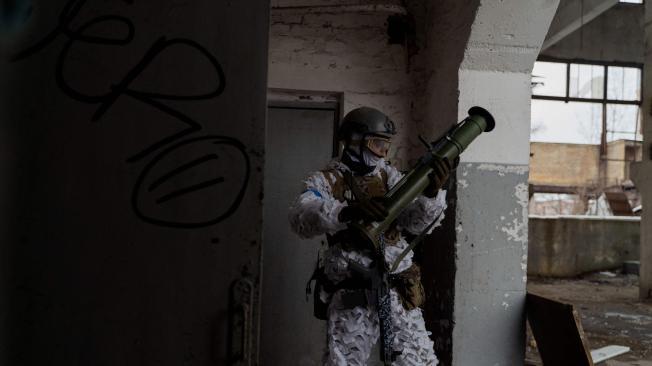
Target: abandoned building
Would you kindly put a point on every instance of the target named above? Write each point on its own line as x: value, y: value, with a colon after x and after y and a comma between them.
x: 149, y: 154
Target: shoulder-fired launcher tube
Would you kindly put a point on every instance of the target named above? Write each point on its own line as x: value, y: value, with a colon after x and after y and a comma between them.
x: 456, y: 140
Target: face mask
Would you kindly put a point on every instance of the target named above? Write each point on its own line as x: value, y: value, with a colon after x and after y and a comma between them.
x: 370, y: 159
x: 360, y: 157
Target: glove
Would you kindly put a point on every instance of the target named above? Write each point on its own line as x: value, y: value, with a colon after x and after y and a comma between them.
x: 441, y: 172
x: 368, y: 210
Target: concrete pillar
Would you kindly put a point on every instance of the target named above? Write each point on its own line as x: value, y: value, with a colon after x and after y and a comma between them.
x: 131, y: 156
x: 642, y: 171
x: 492, y: 191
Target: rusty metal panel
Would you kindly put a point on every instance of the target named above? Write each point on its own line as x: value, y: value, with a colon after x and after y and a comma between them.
x: 558, y: 332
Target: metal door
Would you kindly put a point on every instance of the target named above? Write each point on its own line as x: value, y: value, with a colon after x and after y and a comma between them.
x: 299, y: 141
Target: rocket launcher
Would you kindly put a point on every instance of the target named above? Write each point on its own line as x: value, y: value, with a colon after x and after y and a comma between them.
x: 449, y: 147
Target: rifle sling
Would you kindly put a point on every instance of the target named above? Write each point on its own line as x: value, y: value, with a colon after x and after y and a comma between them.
x: 414, y: 243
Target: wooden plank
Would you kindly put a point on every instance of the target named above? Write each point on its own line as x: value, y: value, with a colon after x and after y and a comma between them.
x: 558, y: 332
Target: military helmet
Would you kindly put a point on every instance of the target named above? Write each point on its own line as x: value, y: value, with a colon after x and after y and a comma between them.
x: 365, y: 121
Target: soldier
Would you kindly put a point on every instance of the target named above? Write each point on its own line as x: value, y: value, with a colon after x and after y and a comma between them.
x: 348, y: 189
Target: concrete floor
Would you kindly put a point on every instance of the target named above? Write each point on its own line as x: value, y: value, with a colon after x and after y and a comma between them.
x: 610, y: 310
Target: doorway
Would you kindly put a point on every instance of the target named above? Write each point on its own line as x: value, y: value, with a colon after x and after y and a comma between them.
x: 300, y: 140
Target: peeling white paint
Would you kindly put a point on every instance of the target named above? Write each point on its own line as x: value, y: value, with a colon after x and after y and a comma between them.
x: 503, y: 169
x: 522, y: 196
x: 517, y: 231
x: 459, y: 229
x: 463, y: 182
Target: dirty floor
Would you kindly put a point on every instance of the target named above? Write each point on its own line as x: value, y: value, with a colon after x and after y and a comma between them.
x: 610, y: 311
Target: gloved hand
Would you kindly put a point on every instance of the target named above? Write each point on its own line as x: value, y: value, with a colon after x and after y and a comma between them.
x: 368, y: 210
x: 441, y: 172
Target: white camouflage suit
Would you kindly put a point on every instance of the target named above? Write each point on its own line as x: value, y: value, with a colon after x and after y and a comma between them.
x: 353, y: 332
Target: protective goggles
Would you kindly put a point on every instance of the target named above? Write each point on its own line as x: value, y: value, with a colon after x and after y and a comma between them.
x: 378, y: 145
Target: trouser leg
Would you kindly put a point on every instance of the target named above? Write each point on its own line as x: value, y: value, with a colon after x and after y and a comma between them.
x: 411, y: 337
x: 351, y: 336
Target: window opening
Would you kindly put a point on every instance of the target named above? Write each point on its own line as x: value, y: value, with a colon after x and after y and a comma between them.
x: 585, y: 87
x: 586, y: 130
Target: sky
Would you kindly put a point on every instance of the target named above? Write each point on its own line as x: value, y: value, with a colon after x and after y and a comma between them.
x: 581, y: 122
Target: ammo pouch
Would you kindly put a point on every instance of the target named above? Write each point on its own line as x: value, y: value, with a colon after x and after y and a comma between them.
x: 356, y: 296
x: 407, y: 284
x: 409, y: 288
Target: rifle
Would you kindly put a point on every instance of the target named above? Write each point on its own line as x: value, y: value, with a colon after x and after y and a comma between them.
x: 449, y: 147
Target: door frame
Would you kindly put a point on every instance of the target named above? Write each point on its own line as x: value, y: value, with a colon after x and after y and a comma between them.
x: 294, y: 99
x: 309, y: 99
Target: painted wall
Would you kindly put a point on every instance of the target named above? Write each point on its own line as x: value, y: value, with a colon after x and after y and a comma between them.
x: 621, y: 154
x: 566, y: 165
x: 615, y: 35
x: 577, y: 165
x: 131, y: 157
x: 566, y: 246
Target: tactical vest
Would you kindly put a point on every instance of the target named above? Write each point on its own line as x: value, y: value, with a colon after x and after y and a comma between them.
x: 368, y: 185
x: 407, y: 283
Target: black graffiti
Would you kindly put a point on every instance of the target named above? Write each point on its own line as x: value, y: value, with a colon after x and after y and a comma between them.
x: 156, y: 174
x: 83, y: 35
x: 105, y: 101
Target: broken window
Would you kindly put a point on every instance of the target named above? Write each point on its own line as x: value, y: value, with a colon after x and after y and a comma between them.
x: 585, y: 132
x: 585, y: 103
x: 624, y: 83
x: 559, y: 122
x: 623, y: 122
x: 549, y: 78
x: 586, y: 81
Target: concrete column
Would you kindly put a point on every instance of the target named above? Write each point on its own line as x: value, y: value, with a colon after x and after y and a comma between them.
x: 642, y: 172
x: 492, y: 216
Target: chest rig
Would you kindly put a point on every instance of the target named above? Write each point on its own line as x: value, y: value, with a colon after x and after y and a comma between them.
x: 348, y: 187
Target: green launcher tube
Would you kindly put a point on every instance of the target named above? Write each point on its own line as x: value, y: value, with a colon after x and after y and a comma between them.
x: 417, y: 180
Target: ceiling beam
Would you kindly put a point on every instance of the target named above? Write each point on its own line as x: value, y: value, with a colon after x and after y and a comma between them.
x: 572, y: 16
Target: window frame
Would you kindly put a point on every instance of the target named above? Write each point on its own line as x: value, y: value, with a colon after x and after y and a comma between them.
x: 567, y: 98
x: 604, y: 101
